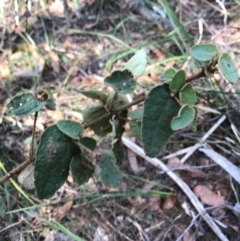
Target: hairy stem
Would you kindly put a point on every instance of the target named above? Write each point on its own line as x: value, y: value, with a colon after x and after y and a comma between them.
x: 201, y: 74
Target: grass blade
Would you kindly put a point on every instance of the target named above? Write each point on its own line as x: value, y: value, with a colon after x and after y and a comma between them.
x: 180, y: 29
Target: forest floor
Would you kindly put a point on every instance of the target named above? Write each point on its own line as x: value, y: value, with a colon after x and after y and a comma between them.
x: 73, y: 45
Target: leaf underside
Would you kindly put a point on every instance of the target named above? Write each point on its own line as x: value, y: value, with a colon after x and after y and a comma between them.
x: 137, y: 64
x: 228, y: 68
x: 186, y: 117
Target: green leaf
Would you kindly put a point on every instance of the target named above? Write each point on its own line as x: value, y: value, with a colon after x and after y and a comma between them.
x: 86, y: 153
x: 121, y: 81
x: 109, y: 173
x: 94, y: 94
x: 24, y: 104
x: 53, y: 158
x: 50, y: 104
x: 203, y: 54
x: 70, y: 128
x: 194, y: 122
x: 227, y: 68
x: 159, y: 109
x: 138, y: 63
x: 136, y: 114
x: 118, y: 129
x: 186, y: 116
x: 115, y: 100
x: 188, y: 95
x: 168, y: 74
x: 89, y: 142
x: 91, y: 113
x: 136, y: 128
x: 81, y: 169
x: 178, y: 81
x: 26, y: 177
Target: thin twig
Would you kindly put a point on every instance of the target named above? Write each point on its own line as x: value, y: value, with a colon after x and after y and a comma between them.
x: 203, y: 139
x: 201, y: 74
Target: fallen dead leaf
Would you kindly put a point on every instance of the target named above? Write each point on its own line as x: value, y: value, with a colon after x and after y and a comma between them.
x: 26, y: 177
x: 188, y: 236
x: 207, y: 196
x: 169, y: 202
x: 63, y: 210
x: 158, y: 53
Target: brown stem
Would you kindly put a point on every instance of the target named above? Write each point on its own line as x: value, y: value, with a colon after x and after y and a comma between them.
x: 124, y: 107
x: 33, y: 134
x: 17, y: 169
x: 201, y: 74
